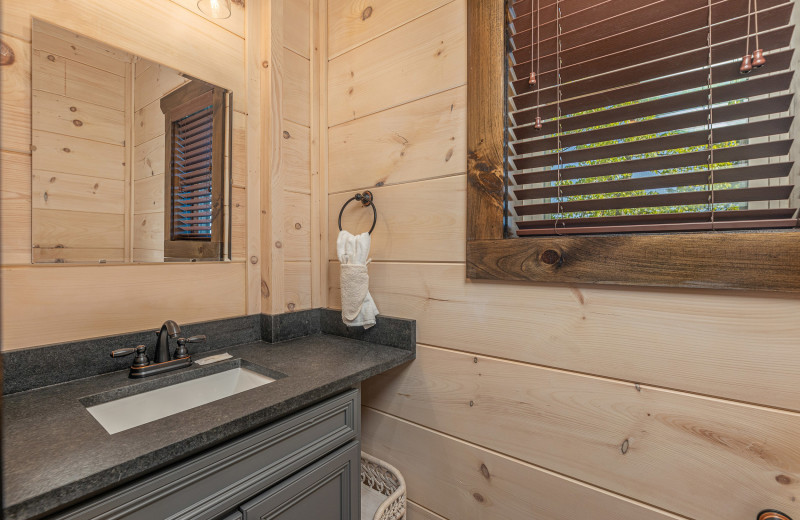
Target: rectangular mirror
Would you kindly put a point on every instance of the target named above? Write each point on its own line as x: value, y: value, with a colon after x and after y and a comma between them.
x: 130, y: 159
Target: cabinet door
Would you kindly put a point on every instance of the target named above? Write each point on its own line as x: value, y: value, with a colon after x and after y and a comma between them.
x: 327, y: 490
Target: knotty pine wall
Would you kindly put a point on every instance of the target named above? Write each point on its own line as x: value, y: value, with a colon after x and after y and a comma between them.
x: 79, y: 117
x: 152, y: 81
x: 44, y: 304
x: 534, y: 401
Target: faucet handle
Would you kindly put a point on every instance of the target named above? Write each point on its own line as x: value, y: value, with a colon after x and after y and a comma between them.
x: 141, y: 359
x: 181, y: 351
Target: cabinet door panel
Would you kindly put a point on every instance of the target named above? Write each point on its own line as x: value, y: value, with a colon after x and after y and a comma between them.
x: 327, y: 490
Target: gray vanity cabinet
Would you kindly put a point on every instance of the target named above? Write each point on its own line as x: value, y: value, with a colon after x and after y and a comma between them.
x: 329, y: 490
x: 309, y: 461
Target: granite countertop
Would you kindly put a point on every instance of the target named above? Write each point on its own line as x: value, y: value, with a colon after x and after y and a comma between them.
x: 56, y: 454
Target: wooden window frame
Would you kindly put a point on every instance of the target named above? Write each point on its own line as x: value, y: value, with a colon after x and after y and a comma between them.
x: 755, y: 260
x: 173, y: 105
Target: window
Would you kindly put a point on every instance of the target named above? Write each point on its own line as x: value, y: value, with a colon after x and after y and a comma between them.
x: 618, y: 142
x: 195, y: 144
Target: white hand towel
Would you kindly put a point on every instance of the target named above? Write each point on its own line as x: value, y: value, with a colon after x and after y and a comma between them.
x: 358, y: 308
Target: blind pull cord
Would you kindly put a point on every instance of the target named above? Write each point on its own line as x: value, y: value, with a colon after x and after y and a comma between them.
x: 711, y: 117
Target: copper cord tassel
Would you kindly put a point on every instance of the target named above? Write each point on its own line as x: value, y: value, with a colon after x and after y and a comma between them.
x: 532, y: 79
x: 758, y: 58
x: 747, y: 64
x: 538, y: 124
x: 758, y: 54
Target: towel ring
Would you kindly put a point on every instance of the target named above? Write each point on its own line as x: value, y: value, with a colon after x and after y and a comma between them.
x: 366, y: 200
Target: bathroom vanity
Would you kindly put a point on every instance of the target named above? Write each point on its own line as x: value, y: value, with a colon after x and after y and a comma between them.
x: 288, y: 449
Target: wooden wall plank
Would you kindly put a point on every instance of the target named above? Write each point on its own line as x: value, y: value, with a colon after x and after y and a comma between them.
x: 296, y: 286
x: 67, y: 116
x: 257, y: 146
x: 149, y: 158
x: 78, y: 48
x: 91, y: 301
x: 65, y: 255
x: 148, y: 195
x: 296, y: 88
x: 419, y: 140
x: 417, y: 512
x: 148, y: 123
x: 415, y: 222
x: 743, y: 348
x: 67, y: 154
x: 77, y: 229
x: 15, y: 97
x: 64, y: 191
x: 354, y: 22
x: 239, y: 150
x: 607, y: 433
x: 149, y: 31
x: 149, y: 232
x: 297, y: 227
x: 462, y: 481
x: 366, y: 80
x: 154, y: 83
x: 297, y: 27
x: 238, y: 215
x: 88, y: 83
x: 49, y: 73
x: 234, y: 23
x: 295, y: 146
x: 15, y: 208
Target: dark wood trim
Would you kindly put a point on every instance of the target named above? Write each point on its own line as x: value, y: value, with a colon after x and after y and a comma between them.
x: 757, y: 260
x: 768, y: 261
x: 486, y: 102
x: 175, y: 105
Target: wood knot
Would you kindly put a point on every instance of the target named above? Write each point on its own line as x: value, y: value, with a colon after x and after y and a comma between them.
x: 278, y: 244
x: 50, y: 57
x: 290, y: 306
x: 77, y: 122
x: 625, y: 445
x: 478, y: 497
x: 297, y: 225
x: 551, y: 257
x: 66, y: 150
x: 73, y: 109
x: 7, y: 56
x: 254, y: 260
x: 366, y: 13
x: 485, y: 472
x: 264, y: 289
x: 783, y: 479
x: 471, y: 404
x: 286, y: 135
x: 265, y: 64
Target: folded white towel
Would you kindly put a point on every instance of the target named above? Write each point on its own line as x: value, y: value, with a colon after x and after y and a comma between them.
x: 358, y: 308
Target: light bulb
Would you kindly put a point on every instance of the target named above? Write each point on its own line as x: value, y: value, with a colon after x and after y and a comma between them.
x: 215, y: 8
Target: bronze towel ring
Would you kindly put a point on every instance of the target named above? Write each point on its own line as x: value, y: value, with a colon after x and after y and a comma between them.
x: 366, y: 200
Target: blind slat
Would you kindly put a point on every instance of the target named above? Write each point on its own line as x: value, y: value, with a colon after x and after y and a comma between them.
x: 654, y: 182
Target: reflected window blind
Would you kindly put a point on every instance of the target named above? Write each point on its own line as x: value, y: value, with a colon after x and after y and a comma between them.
x: 633, y: 115
x: 192, y: 203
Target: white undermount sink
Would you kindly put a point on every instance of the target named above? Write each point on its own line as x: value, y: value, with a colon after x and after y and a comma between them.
x: 129, y: 412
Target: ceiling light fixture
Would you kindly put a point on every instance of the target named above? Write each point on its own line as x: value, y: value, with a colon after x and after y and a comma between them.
x: 215, y: 8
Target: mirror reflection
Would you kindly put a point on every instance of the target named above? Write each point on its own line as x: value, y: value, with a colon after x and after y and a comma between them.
x: 130, y: 159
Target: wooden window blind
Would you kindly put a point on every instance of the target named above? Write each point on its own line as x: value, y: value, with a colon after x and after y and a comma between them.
x: 195, y: 189
x: 192, y: 187
x: 645, y: 123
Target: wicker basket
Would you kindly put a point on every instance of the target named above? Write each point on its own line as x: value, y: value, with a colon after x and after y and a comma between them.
x: 381, y: 480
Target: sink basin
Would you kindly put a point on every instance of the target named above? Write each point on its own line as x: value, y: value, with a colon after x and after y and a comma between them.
x: 135, y: 410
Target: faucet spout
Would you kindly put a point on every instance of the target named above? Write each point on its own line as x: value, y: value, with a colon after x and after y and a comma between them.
x: 169, y: 329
